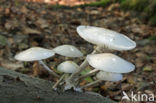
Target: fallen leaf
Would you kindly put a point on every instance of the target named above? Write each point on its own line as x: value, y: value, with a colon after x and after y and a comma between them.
x: 31, y: 31
x: 147, y: 69
x: 11, y: 65
x: 43, y: 23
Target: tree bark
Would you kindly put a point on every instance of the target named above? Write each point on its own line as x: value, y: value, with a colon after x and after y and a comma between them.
x: 19, y: 88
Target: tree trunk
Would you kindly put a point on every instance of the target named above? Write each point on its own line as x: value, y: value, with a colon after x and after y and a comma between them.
x: 19, y: 88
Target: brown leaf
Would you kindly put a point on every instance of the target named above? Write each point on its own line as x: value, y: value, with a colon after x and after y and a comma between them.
x: 11, y: 65
x: 24, y: 10
x: 125, y: 86
x: 11, y: 24
x: 31, y: 31
x: 43, y: 23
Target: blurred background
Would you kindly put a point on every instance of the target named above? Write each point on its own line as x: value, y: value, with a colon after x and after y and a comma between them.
x: 50, y: 23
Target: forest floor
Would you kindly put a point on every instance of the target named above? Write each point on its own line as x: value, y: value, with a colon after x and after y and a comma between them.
x: 26, y: 24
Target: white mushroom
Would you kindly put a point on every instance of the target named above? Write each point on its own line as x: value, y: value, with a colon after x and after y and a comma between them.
x: 110, y: 67
x: 68, y: 51
x: 36, y: 54
x: 105, y: 37
x: 104, y: 76
x: 108, y: 76
x: 110, y: 63
x: 95, y: 71
x: 66, y: 67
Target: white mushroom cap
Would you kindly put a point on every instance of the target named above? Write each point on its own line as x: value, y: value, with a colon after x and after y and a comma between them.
x: 105, y: 37
x: 34, y: 54
x: 110, y: 63
x: 68, y: 51
x: 68, y: 67
x: 107, y: 76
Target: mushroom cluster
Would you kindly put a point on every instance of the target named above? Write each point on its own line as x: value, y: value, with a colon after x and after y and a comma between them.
x: 107, y: 66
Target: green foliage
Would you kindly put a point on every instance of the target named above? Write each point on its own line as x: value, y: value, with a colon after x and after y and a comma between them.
x: 98, y: 3
x: 17, y: 2
x: 147, y: 69
x: 96, y: 89
x: 137, y: 5
x: 88, y: 79
x: 152, y: 38
x: 3, y: 40
x: 152, y: 20
x: 144, y: 8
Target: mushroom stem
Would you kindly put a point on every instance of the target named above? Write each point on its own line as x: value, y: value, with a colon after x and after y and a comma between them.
x: 88, y: 74
x: 48, y: 69
x: 57, y: 83
x: 84, y: 64
x: 92, y: 84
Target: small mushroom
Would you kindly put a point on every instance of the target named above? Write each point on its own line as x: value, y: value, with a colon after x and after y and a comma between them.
x: 106, y: 38
x: 36, y: 54
x: 66, y: 67
x: 104, y: 76
x: 110, y: 63
x: 107, y: 62
x: 68, y: 51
